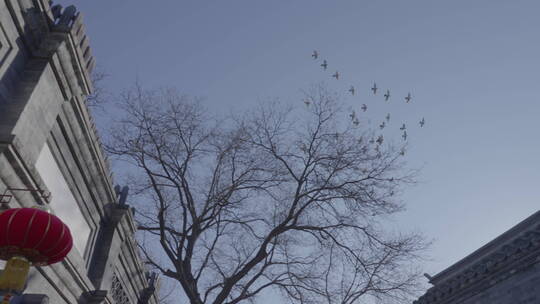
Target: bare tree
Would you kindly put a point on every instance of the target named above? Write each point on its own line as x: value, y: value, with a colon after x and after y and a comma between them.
x: 275, y: 198
x: 99, y: 94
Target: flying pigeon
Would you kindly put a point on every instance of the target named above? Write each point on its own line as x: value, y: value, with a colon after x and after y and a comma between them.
x: 324, y: 64
x: 387, y: 95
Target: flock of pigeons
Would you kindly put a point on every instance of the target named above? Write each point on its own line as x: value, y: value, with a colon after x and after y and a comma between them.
x: 364, y: 107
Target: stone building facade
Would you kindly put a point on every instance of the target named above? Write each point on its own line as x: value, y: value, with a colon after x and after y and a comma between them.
x: 504, y: 271
x: 49, y: 145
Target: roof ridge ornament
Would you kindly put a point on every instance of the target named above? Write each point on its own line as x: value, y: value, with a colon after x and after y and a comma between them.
x: 63, y: 18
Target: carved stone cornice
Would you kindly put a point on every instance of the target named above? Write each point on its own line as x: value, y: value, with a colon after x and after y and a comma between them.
x: 517, y: 254
x: 44, y: 32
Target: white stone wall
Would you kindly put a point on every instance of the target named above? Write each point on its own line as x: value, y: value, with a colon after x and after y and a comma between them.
x: 63, y: 203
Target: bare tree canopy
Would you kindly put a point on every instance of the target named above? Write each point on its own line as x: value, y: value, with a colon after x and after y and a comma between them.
x: 275, y: 198
x: 99, y: 94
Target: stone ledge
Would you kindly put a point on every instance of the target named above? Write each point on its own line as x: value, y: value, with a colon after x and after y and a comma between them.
x: 516, y: 255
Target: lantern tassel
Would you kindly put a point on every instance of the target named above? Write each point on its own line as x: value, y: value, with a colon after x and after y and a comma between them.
x: 13, y: 278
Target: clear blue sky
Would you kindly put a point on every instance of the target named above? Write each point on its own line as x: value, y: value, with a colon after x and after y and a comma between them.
x: 473, y: 68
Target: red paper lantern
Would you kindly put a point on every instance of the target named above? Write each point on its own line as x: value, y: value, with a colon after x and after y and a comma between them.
x: 39, y: 236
